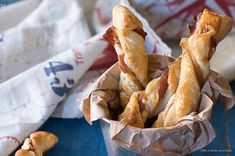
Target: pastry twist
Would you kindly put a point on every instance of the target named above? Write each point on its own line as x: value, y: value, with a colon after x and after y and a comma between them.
x: 37, y: 143
x: 127, y: 36
x: 153, y: 99
x: 176, y: 92
x: 197, y: 51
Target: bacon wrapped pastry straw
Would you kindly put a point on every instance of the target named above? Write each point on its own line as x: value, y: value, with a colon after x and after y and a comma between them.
x: 177, y: 91
x: 127, y: 37
x: 148, y: 103
x: 37, y: 143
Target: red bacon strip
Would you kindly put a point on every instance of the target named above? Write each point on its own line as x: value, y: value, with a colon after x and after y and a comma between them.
x: 124, y: 68
x: 112, y: 37
x: 162, y: 85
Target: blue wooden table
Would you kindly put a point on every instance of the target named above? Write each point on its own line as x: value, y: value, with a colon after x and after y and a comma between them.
x: 77, y: 137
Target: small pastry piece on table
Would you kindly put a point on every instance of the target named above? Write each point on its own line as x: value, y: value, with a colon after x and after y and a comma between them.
x: 127, y: 37
x: 37, y: 144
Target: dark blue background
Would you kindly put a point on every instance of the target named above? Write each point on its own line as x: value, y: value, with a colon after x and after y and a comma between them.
x: 6, y: 2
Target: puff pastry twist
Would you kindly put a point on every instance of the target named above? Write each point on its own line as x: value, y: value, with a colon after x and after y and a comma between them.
x: 127, y: 36
x: 176, y: 92
x: 37, y: 143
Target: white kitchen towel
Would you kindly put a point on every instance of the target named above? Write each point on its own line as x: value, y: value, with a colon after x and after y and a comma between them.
x: 223, y: 60
x: 28, y: 99
x: 54, y: 26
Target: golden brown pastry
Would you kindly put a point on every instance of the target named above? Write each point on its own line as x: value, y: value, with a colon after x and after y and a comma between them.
x: 127, y: 36
x: 132, y: 114
x: 153, y: 99
x: 198, y: 49
x: 37, y: 143
x: 177, y: 90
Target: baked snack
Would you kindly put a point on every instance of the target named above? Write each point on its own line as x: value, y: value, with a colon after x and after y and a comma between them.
x: 177, y: 90
x: 37, y: 143
x: 198, y: 49
x: 127, y: 37
x: 153, y: 99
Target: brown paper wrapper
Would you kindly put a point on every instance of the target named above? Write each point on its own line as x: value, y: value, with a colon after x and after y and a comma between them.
x: 191, y: 133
